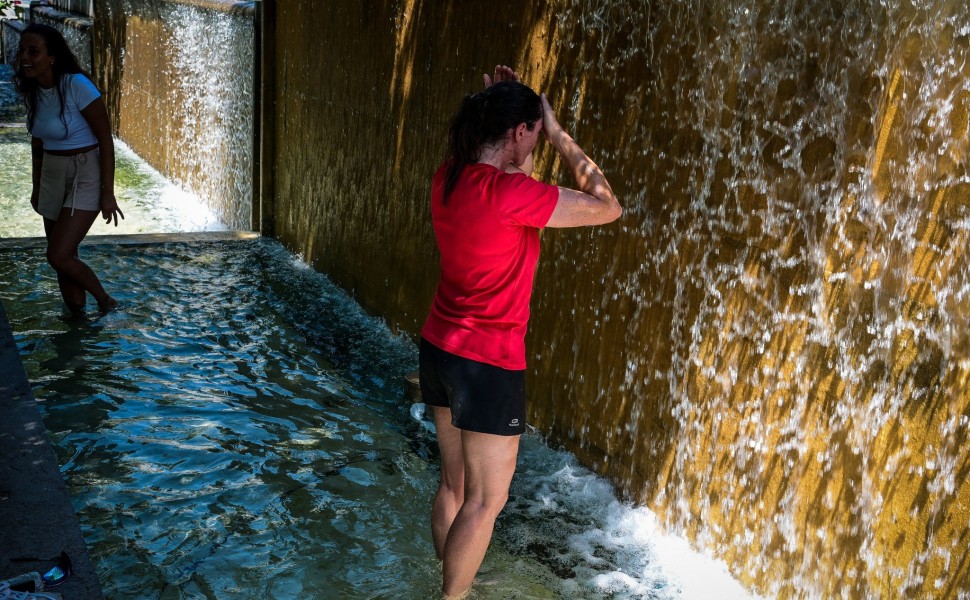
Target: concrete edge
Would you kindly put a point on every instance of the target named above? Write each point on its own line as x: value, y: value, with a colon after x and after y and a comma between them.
x: 137, y: 239
x: 39, y: 521
x: 70, y: 19
x: 15, y: 24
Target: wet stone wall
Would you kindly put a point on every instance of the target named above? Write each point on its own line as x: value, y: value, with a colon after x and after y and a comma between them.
x: 178, y: 77
x: 75, y: 28
x: 82, y: 7
x: 771, y: 347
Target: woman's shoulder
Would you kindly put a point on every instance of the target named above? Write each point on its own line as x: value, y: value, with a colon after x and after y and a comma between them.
x: 79, y: 80
x: 510, y: 178
x: 81, y: 88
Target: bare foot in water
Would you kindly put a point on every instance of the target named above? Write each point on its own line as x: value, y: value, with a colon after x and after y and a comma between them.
x: 106, y: 305
x: 77, y: 310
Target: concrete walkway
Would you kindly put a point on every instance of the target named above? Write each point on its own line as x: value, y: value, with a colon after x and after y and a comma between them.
x: 37, y: 519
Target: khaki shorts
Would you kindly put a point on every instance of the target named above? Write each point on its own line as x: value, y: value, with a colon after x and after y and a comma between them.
x: 70, y: 182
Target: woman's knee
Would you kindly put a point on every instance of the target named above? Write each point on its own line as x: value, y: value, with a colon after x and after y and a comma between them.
x: 490, y: 504
x: 497, y: 502
x: 453, y: 485
x: 60, y: 258
x: 55, y: 259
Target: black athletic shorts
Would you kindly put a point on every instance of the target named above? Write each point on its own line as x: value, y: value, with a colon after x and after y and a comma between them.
x: 482, y: 397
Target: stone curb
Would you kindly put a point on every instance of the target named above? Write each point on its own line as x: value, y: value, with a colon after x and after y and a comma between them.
x: 38, y: 518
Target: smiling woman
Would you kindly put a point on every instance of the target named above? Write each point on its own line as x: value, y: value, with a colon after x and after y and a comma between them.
x: 72, y: 158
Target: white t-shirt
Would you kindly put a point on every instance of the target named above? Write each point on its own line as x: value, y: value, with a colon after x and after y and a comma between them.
x: 78, y: 92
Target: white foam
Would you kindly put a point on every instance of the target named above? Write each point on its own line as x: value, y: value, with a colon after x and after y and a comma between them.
x: 174, y: 208
x: 614, y: 548
x: 697, y: 575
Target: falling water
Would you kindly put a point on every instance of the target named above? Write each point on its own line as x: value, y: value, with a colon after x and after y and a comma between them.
x: 781, y: 340
x: 180, y: 79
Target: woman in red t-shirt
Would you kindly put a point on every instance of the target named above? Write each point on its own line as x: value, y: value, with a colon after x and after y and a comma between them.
x: 487, y: 212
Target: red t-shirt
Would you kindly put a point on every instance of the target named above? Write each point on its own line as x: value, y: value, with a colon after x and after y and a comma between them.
x: 488, y: 237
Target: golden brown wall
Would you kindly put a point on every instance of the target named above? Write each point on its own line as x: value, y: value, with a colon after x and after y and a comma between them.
x: 771, y: 348
x: 178, y: 76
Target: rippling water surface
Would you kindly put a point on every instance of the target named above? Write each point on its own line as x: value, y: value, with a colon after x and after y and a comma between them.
x: 239, y: 430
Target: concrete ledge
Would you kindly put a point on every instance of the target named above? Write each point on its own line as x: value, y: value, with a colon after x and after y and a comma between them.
x: 70, y: 19
x: 236, y: 7
x: 15, y: 24
x: 139, y: 239
x: 35, y: 508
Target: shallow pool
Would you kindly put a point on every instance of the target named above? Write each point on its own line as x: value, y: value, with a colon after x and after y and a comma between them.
x: 239, y: 430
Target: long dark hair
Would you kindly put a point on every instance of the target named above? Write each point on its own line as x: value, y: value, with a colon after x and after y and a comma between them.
x: 485, y: 118
x: 64, y: 63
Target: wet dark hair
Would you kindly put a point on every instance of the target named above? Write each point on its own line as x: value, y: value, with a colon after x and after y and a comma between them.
x: 64, y: 63
x: 485, y: 118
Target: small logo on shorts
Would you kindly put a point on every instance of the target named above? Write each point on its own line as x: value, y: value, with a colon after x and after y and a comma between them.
x: 514, y: 423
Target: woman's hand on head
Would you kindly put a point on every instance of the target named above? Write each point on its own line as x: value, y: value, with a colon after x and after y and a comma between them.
x: 110, y: 208
x: 550, y: 125
x: 502, y: 73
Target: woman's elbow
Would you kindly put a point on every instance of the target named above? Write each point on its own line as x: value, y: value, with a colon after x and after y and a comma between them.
x: 613, y: 212
x: 605, y: 216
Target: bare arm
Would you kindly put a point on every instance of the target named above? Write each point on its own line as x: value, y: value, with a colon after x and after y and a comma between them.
x: 96, y: 114
x: 36, y: 163
x: 593, y: 203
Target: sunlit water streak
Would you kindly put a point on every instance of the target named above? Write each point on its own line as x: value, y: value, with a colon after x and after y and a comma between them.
x: 182, y: 77
x: 239, y: 429
x: 212, y: 60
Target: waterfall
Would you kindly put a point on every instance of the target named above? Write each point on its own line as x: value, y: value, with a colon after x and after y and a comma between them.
x: 179, y: 76
x: 781, y: 349
x: 771, y: 348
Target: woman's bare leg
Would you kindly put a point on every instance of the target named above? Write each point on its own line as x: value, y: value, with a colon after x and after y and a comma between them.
x: 451, y: 490
x: 489, y: 467
x: 74, y: 296
x: 63, y: 238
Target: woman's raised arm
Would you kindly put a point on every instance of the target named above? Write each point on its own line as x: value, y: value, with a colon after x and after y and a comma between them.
x: 593, y: 203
